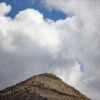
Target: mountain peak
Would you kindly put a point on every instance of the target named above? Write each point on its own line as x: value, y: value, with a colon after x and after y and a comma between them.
x: 42, y: 87
x: 49, y: 75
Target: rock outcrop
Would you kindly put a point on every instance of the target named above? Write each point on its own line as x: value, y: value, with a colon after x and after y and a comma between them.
x: 42, y: 87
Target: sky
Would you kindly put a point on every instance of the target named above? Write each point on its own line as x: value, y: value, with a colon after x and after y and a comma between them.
x: 51, y: 36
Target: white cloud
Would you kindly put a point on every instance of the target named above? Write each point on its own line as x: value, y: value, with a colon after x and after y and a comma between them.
x: 4, y: 9
x: 39, y: 30
x: 70, y: 75
x: 30, y: 23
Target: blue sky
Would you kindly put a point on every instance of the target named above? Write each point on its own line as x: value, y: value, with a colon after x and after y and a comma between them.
x: 19, y: 5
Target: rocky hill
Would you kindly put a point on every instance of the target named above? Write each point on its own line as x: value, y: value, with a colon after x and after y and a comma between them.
x: 42, y: 87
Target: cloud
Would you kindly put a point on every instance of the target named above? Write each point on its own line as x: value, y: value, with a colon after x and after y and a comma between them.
x: 82, y: 37
x: 4, y: 9
x: 27, y: 42
x: 29, y: 23
x: 30, y: 45
x: 70, y: 75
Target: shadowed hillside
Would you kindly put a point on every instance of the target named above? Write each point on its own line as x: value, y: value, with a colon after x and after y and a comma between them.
x: 42, y: 87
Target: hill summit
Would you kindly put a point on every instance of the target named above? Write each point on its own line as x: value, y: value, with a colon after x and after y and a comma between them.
x: 42, y: 87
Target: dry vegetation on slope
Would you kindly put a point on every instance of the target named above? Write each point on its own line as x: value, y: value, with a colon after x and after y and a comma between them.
x: 42, y: 87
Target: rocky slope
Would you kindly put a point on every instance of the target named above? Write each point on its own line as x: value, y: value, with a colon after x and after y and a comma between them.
x: 42, y: 87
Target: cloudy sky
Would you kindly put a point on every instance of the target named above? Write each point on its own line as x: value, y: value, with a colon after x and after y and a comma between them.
x: 55, y: 36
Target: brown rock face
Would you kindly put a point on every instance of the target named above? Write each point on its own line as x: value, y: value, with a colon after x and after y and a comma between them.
x: 42, y: 87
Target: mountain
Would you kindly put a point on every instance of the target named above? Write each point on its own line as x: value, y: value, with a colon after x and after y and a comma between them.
x: 42, y: 87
